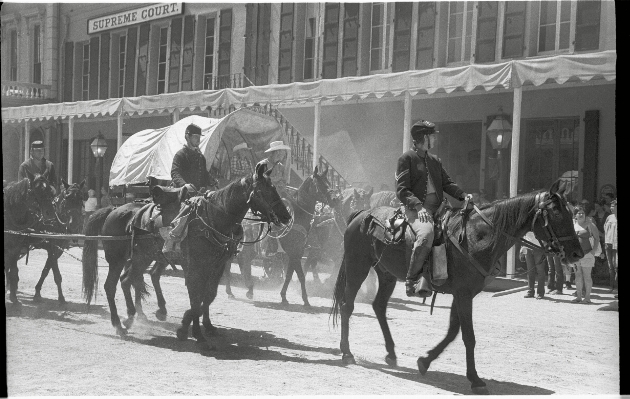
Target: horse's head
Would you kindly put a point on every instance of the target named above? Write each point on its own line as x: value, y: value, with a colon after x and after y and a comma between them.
x: 264, y: 198
x: 70, y: 204
x: 42, y: 193
x: 318, y: 187
x: 360, y: 199
x: 553, y: 224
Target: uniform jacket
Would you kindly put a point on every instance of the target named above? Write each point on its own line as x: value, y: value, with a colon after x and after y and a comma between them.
x: 189, y: 166
x: 412, y: 178
x: 34, y: 168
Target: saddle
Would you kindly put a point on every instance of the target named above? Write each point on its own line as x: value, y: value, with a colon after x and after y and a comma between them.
x: 164, y: 196
x: 160, y: 213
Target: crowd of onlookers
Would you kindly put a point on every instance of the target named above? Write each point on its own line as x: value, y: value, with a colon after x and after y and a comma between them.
x: 596, y: 228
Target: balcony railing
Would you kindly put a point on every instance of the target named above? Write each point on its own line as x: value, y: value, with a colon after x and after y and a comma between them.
x: 26, y: 90
x: 301, y: 150
x: 233, y: 81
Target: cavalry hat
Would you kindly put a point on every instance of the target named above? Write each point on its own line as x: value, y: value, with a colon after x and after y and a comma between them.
x: 421, y: 128
x: 193, y: 129
x: 37, y: 144
x: 277, y: 145
x: 241, y: 146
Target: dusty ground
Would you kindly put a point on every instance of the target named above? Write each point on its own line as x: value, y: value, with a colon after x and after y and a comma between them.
x: 524, y: 346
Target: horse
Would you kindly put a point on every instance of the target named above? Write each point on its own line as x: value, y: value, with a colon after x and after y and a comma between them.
x: 244, y: 258
x: 68, y: 206
x: 214, y: 235
x: 27, y: 204
x: 489, y: 233
x: 384, y: 198
x: 314, y: 188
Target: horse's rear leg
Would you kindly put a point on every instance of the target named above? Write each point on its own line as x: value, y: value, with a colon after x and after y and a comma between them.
x: 464, y: 310
x: 355, y: 275
x: 227, y: 277
x: 287, y: 280
x: 453, y: 330
x: 111, y: 283
x: 386, y: 285
x: 156, y: 272
x: 245, y: 265
x: 12, y: 276
x: 38, y: 287
x: 302, y: 279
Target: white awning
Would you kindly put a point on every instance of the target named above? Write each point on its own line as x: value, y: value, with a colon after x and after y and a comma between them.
x: 555, y: 69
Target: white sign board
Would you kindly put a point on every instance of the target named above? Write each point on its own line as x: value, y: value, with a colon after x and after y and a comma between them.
x: 131, y: 17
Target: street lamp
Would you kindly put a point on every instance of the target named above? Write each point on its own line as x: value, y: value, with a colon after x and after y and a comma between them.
x: 500, y: 132
x: 99, y: 146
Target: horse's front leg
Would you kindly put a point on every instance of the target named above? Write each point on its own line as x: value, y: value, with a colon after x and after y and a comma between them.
x: 464, y: 310
x: 453, y: 330
x: 12, y: 276
x: 386, y: 285
x: 156, y: 272
x: 53, y: 256
x: 302, y: 278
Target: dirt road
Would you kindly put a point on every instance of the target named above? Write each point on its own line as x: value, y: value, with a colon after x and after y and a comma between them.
x: 524, y: 346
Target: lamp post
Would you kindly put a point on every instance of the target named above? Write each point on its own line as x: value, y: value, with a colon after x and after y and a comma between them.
x: 99, y: 146
x: 500, y: 132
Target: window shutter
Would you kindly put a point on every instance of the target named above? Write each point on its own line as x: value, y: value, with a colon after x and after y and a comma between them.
x: 591, y: 152
x: 486, y: 31
x: 402, y: 36
x: 143, y: 56
x: 130, y: 67
x: 225, y: 49
x: 350, y: 49
x: 78, y: 72
x: 366, y: 30
x: 331, y: 40
x: 587, y: 25
x: 67, y: 72
x: 187, y: 56
x: 514, y: 29
x: 285, y: 53
x: 300, y: 23
x: 426, y: 35
x: 251, y: 22
x: 199, y: 46
x: 104, y: 78
x: 262, y: 50
x: 94, y: 53
x: 175, y: 55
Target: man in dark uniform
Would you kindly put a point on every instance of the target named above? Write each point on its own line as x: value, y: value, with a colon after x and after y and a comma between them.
x: 189, y: 164
x: 37, y: 164
x: 420, y: 185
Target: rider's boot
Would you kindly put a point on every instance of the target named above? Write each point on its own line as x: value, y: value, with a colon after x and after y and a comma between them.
x: 419, y: 256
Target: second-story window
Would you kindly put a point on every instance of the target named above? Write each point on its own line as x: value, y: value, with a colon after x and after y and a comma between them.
x: 37, y: 57
x: 309, y: 49
x: 402, y: 36
x: 225, y: 49
x: 13, y: 61
x: 331, y: 40
x: 122, y: 56
x: 285, y: 51
x: 350, y: 42
x: 85, y: 77
x: 162, y: 56
x: 208, y: 68
x: 587, y: 25
x: 426, y: 35
x: 460, y: 15
x: 379, y: 41
x: 514, y: 29
x: 486, y: 31
x: 555, y: 25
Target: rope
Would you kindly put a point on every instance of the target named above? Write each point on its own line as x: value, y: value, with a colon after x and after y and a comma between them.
x: 55, y: 236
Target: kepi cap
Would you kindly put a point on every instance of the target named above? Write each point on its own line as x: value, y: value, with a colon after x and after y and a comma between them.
x: 421, y: 128
x: 193, y: 129
x: 37, y: 144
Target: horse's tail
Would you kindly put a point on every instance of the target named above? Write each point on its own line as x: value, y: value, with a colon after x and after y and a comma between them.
x: 353, y: 215
x: 93, y: 227
x: 339, y: 294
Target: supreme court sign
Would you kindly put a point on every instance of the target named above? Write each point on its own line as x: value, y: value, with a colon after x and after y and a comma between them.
x: 136, y: 16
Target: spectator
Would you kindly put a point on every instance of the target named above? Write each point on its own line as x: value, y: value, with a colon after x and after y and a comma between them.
x: 556, y: 275
x: 105, y: 200
x: 535, y: 260
x: 589, y: 239
x: 240, y: 165
x: 610, y: 232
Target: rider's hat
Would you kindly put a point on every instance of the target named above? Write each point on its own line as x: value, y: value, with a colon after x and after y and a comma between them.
x: 193, y: 129
x: 422, y: 127
x: 277, y: 145
x: 37, y: 144
x: 241, y: 146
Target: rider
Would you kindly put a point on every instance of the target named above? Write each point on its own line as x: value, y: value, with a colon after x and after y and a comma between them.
x: 278, y: 154
x: 420, y: 183
x: 37, y: 164
x: 188, y: 170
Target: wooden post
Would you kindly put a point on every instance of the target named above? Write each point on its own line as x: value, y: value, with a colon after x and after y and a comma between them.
x: 407, y: 122
x: 27, y: 139
x: 318, y: 110
x: 119, y: 133
x: 175, y: 115
x: 70, y: 148
x: 516, y: 141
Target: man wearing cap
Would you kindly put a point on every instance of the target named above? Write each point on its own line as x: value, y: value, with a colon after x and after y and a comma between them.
x: 240, y: 165
x: 189, y: 164
x: 420, y: 185
x: 37, y: 164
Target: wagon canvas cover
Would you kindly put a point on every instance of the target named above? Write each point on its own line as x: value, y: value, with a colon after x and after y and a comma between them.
x: 149, y: 153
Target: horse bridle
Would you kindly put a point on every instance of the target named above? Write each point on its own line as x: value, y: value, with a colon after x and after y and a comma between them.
x: 551, y: 238
x: 254, y: 201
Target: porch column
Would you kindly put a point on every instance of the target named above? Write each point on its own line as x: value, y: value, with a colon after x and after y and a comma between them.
x: 516, y: 141
x: 47, y: 142
x: 407, y: 122
x: 27, y: 139
x: 119, y: 135
x: 318, y: 110
x: 175, y: 115
x: 70, y: 148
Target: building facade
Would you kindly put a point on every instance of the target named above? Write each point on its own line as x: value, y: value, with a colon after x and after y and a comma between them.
x: 348, y: 79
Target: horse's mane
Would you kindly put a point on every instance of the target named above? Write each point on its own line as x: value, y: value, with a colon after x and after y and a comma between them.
x: 223, y: 196
x: 15, y: 192
x: 510, y: 214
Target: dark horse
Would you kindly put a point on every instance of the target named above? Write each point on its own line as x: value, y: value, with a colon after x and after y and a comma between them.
x: 68, y: 206
x: 314, y: 188
x: 27, y: 204
x: 546, y: 213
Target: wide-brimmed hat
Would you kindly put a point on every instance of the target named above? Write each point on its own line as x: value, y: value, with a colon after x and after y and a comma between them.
x: 277, y: 145
x: 241, y: 146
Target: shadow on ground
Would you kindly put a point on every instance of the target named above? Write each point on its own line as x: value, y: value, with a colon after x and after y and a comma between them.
x: 51, y: 309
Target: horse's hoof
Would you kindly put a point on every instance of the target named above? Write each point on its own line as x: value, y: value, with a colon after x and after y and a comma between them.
x: 16, y: 301
x: 284, y: 301
x: 142, y: 317
x: 62, y: 301
x: 249, y: 295
x: 390, y: 360
x: 121, y: 331
x: 307, y: 304
x: 160, y: 314
x: 348, y: 359
x: 231, y: 296
x: 422, y: 368
x: 480, y: 390
x: 128, y: 322
x: 37, y: 298
x: 182, y: 334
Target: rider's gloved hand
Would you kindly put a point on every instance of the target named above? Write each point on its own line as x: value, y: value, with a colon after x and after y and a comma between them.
x: 423, y: 214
